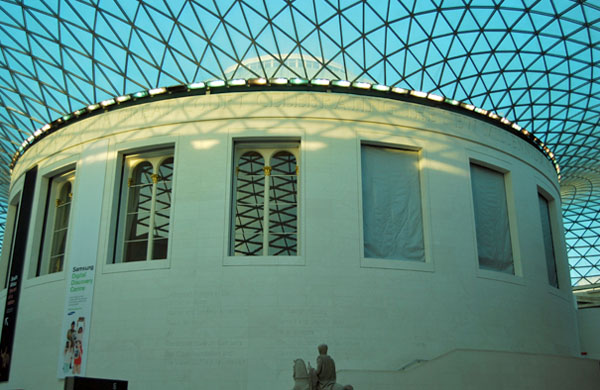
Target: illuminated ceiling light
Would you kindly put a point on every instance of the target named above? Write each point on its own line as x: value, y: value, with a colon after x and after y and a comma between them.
x: 93, y: 107
x: 436, y: 98
x: 381, y: 88
x: 80, y: 112
x: 257, y: 81
x: 341, y: 83
x: 452, y: 101
x: 37, y: 133
x: 278, y: 81
x: 298, y: 81
x: 24, y: 144
x: 106, y: 103
x: 156, y: 91
x: 505, y: 121
x: 516, y: 127
x: 525, y: 132
x: 480, y: 111
x: 30, y: 139
x: 418, y: 94
x: 361, y: 85
x: 67, y: 117
x: 123, y: 98
x: 401, y: 91
x: 46, y: 127
x: 216, y: 83
x: 321, y: 82
x: 493, y: 115
x: 140, y: 94
x: 236, y: 82
x: 468, y: 106
x: 198, y: 85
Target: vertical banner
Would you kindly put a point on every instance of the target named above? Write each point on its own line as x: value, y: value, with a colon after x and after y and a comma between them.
x: 78, y: 311
x: 16, y: 273
x: 81, y: 259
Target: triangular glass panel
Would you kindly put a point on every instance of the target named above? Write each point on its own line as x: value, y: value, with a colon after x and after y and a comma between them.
x: 416, y: 34
x: 394, y: 41
x: 482, y: 15
x: 468, y: 23
x: 12, y: 15
x: 14, y: 37
x: 206, y: 18
x: 398, y: 10
x: 302, y: 25
x: 19, y: 62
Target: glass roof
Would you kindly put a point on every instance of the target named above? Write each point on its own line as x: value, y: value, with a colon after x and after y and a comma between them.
x: 536, y: 63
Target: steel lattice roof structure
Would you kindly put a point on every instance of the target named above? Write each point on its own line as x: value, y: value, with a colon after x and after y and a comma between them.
x: 535, y: 62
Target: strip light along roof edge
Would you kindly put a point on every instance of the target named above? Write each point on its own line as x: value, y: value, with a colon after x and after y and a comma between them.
x: 284, y: 84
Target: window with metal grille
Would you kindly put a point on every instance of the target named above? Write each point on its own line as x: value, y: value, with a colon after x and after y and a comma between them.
x: 265, y: 200
x: 145, y: 207
x: 56, y: 224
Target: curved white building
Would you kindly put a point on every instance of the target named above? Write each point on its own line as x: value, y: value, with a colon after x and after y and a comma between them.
x: 280, y: 219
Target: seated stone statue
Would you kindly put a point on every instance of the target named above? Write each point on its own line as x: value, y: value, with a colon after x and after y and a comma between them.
x: 300, y: 376
x: 324, y: 377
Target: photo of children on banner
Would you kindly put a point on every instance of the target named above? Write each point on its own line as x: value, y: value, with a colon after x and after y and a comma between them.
x: 73, y: 352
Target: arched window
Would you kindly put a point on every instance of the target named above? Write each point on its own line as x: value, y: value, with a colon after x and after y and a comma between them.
x: 265, y: 214
x: 162, y: 207
x: 139, y: 207
x: 143, y: 226
x: 249, y: 208
x: 56, y: 225
x: 283, y: 205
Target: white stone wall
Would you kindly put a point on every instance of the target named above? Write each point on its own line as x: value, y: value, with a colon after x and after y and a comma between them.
x: 589, y: 323
x: 202, y: 319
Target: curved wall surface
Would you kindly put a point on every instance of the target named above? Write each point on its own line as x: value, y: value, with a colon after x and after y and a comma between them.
x: 200, y: 316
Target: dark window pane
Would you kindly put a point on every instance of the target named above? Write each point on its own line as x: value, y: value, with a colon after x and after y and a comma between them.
x: 159, y: 250
x: 135, y: 250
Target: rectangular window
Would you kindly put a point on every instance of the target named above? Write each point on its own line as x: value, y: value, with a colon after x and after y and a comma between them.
x: 391, y: 197
x: 144, y: 206
x: 494, y: 246
x: 56, y: 224
x: 548, y: 242
x: 265, y: 199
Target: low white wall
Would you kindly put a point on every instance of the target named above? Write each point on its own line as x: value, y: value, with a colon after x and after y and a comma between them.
x: 589, y: 331
x: 493, y: 370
